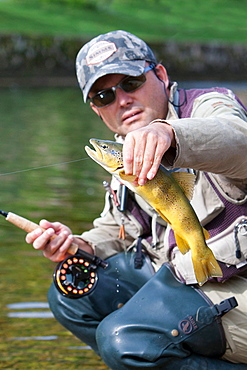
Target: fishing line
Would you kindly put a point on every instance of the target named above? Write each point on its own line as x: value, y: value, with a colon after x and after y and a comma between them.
x: 38, y: 168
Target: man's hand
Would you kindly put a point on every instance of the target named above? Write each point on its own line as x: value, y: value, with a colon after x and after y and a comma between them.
x: 144, y: 148
x: 56, y: 249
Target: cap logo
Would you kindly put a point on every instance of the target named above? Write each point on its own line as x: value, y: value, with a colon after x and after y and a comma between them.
x: 100, y: 52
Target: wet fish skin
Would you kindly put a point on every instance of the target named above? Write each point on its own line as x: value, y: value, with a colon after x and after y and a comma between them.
x: 169, y: 194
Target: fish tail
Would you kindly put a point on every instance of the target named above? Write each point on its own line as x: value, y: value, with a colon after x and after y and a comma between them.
x: 206, y: 267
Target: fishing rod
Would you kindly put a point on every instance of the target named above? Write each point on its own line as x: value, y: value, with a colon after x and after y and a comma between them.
x: 74, y: 277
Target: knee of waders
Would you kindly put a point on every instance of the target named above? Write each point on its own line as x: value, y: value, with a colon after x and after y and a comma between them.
x: 112, y: 343
x: 164, y: 318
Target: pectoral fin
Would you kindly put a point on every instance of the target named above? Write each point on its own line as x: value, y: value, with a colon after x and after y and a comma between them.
x: 206, y: 233
x: 162, y: 216
x: 130, y: 178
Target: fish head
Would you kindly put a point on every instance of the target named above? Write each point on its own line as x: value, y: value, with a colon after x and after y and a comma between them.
x: 108, y: 154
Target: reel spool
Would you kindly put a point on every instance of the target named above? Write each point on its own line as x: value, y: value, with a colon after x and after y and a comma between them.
x: 76, y: 276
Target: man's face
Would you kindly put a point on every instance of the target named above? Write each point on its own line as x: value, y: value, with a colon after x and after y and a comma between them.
x: 134, y: 110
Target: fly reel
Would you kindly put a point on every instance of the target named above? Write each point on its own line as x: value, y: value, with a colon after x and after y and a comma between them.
x: 76, y: 276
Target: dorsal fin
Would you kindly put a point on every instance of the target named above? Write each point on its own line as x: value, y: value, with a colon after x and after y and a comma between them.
x: 186, y: 181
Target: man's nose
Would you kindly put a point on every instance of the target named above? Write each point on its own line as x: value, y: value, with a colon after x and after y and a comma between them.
x: 123, y: 97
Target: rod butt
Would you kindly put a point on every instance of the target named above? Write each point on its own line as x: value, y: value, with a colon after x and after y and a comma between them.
x: 5, y: 214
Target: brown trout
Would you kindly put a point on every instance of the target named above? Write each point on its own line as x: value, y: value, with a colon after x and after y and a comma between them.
x: 169, y: 194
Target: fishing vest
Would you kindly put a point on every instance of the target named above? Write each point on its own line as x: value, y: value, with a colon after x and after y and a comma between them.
x: 187, y: 98
x: 228, y: 230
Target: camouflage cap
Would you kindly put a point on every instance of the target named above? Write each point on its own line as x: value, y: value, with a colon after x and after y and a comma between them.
x: 113, y: 52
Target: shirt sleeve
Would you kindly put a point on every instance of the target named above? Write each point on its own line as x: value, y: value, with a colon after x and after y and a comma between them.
x: 214, y: 139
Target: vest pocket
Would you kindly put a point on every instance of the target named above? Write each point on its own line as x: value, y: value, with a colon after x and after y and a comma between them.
x: 230, y: 246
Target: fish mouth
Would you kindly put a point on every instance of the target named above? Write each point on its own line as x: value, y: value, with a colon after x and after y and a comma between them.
x: 95, y: 153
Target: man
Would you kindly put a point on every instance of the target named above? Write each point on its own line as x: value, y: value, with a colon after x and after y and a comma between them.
x: 168, y: 323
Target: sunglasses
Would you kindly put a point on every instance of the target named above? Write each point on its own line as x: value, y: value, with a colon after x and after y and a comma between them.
x: 128, y: 84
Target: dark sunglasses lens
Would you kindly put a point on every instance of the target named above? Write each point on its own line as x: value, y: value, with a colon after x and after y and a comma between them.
x: 132, y: 83
x: 107, y: 96
x: 103, y: 98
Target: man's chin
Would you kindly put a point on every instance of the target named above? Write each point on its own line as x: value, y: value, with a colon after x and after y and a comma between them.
x: 135, y: 126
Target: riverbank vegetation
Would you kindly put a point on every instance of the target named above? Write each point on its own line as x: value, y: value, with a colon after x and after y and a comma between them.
x: 221, y: 21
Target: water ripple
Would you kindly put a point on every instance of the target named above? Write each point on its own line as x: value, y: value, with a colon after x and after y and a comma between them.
x: 27, y: 305
x: 39, y: 337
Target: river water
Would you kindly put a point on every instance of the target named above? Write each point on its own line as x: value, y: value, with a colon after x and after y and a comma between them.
x: 45, y: 173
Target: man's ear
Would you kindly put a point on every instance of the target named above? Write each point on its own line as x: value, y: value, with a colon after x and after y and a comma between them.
x: 162, y: 75
x: 96, y: 110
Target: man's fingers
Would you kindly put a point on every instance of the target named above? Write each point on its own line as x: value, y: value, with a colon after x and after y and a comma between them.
x: 144, y: 148
x: 148, y: 163
x: 62, y: 252
x: 151, y: 160
x: 56, y: 249
x: 128, y: 155
x: 41, y: 241
x: 32, y: 236
x: 157, y: 158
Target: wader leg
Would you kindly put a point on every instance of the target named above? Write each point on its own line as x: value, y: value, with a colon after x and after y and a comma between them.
x: 166, y: 325
x: 116, y: 285
x: 193, y: 362
x: 76, y: 315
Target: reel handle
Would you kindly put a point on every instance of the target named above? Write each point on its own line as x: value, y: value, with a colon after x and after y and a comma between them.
x: 29, y: 226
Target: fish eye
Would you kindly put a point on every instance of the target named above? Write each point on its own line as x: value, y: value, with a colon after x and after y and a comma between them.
x: 104, y: 146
